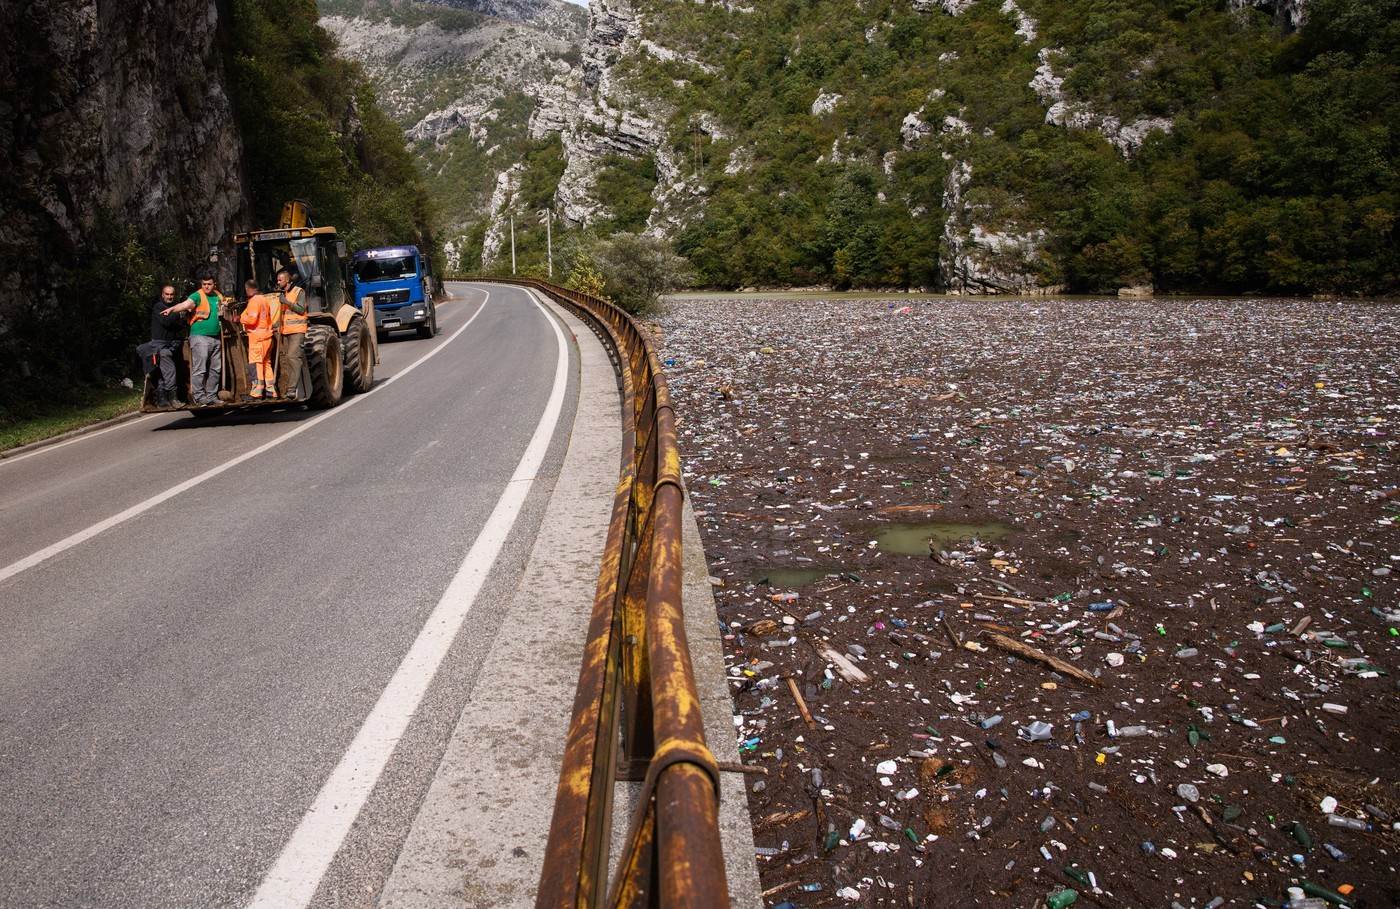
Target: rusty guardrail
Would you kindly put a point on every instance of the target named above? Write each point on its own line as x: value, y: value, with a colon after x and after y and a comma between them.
x: 636, y: 710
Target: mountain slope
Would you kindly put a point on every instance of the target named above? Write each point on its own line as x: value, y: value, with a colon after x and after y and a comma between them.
x: 977, y: 145
x: 460, y: 80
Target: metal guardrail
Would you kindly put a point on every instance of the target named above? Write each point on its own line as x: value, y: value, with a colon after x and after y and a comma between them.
x: 636, y: 710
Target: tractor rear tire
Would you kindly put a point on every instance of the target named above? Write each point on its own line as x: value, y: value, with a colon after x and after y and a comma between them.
x: 357, y: 353
x: 323, y: 362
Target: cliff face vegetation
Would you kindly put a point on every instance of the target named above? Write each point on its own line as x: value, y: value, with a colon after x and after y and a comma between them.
x: 312, y: 129
x: 135, y: 135
x: 973, y: 145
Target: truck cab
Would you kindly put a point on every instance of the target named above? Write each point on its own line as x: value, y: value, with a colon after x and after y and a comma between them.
x: 399, y: 280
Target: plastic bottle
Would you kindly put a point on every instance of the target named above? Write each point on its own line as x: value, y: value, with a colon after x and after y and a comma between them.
x: 1350, y: 823
x: 1062, y: 899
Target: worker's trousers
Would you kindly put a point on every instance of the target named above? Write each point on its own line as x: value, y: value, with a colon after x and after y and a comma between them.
x: 165, y: 364
x: 206, y: 368
x: 289, y: 357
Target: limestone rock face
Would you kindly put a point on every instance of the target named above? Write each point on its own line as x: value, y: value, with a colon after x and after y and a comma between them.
x: 1126, y: 137
x: 507, y: 184
x: 978, y: 259
x: 1289, y: 15
x: 121, y: 112
x: 951, y: 7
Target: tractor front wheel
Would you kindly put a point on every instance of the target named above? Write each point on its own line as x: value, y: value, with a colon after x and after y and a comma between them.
x: 357, y: 353
x: 323, y: 362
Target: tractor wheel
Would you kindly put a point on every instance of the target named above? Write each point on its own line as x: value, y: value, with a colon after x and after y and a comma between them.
x: 323, y: 362
x: 357, y: 353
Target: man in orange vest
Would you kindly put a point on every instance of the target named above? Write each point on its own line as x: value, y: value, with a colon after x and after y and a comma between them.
x: 206, y: 344
x: 260, y: 318
x: 292, y: 300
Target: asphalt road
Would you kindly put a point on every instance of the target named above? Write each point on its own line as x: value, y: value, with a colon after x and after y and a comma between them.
x: 175, y: 690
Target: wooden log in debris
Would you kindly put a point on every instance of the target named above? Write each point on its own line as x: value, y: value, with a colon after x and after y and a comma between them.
x: 1014, y: 601
x: 801, y: 703
x: 1011, y: 645
x: 957, y: 641
x: 736, y: 767
x: 848, y: 670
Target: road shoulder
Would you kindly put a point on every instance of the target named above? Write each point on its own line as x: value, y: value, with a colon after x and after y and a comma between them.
x: 480, y: 833
x: 478, y: 838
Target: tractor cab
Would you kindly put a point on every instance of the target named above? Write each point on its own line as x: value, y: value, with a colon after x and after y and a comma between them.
x: 314, y: 255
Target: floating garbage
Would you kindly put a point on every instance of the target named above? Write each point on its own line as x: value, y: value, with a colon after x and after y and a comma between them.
x: 1183, y: 515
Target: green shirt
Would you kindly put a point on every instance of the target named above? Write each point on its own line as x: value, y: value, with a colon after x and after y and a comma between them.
x: 208, y: 327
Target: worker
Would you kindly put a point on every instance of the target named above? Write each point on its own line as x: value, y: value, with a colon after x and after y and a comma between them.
x: 292, y: 300
x: 167, y: 334
x: 206, y: 343
x: 260, y: 318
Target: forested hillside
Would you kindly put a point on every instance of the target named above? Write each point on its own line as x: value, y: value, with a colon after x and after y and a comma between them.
x: 974, y: 145
x: 312, y: 129
x: 1273, y: 167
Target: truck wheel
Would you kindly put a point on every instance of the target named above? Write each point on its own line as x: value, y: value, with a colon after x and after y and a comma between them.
x: 429, y: 328
x: 323, y: 362
x: 357, y: 353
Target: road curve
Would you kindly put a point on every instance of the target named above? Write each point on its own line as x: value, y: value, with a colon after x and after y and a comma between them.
x: 175, y: 690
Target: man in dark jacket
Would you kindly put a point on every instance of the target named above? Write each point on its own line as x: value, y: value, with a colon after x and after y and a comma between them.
x: 167, y: 333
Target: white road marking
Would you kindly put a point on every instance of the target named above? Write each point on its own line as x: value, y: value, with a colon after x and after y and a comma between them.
x: 298, y: 870
x: 15, y: 459
x: 140, y: 508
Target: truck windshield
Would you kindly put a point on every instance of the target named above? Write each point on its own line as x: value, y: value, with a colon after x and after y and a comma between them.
x: 385, y: 269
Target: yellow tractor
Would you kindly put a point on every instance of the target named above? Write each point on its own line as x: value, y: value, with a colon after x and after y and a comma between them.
x: 340, y: 347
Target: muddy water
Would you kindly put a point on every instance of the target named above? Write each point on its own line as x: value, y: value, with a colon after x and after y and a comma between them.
x: 914, y: 539
x: 791, y: 577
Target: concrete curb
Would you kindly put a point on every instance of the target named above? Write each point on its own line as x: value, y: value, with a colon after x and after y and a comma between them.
x: 70, y: 434
x: 702, y: 632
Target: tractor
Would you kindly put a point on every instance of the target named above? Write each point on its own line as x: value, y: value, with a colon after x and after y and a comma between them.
x: 340, y: 346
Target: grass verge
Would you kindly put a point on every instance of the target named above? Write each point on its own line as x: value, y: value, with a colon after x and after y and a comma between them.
x: 94, y: 407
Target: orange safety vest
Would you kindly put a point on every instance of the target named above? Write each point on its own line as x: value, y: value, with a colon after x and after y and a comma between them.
x: 293, y: 322
x: 201, y: 311
x: 260, y: 315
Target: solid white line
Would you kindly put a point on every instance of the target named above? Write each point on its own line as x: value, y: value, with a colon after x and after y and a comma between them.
x: 294, y: 877
x: 15, y: 459
x: 140, y: 508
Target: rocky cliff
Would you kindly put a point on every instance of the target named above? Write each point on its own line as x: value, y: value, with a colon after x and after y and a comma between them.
x: 113, y: 113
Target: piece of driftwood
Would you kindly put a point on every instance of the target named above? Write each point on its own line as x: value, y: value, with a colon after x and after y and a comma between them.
x: 801, y: 703
x: 957, y: 641
x: 848, y: 670
x: 736, y: 767
x: 1014, y: 601
x: 1011, y: 645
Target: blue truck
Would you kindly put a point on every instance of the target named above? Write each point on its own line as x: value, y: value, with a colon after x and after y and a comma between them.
x: 400, y: 280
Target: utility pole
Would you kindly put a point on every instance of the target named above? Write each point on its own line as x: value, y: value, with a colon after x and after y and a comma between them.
x: 549, y: 240
x: 512, y: 242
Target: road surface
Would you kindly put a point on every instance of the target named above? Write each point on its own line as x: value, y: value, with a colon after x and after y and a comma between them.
x: 205, y: 620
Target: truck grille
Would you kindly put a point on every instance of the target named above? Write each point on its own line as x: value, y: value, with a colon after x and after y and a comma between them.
x: 391, y: 298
